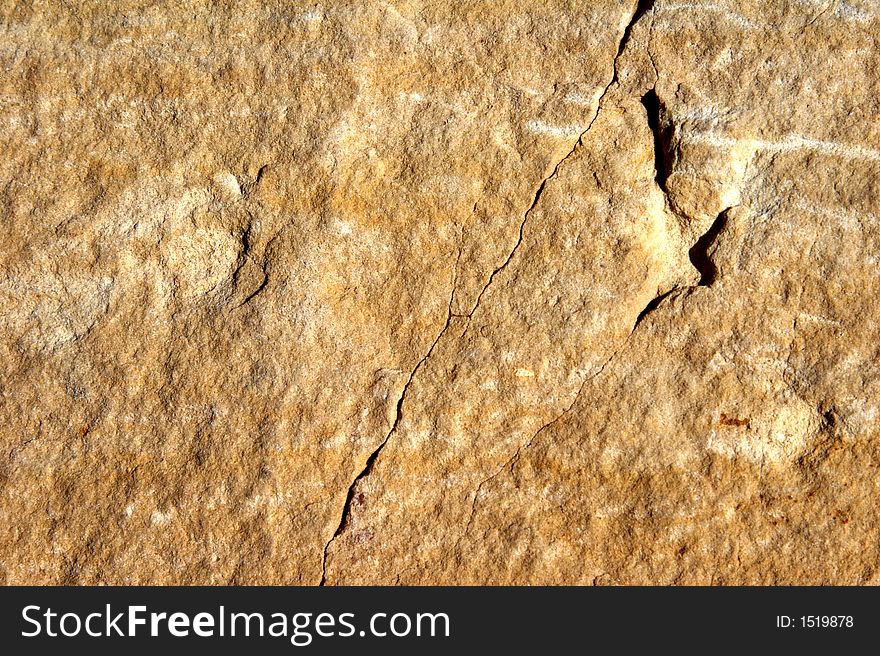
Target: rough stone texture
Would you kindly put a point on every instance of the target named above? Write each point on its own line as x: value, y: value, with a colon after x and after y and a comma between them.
x: 410, y: 292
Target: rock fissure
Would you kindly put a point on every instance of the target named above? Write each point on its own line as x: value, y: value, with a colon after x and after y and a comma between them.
x: 351, y: 189
x: 525, y: 445
x: 246, y: 255
x: 699, y: 252
x: 642, y: 7
x: 662, y: 130
x: 371, y: 460
x: 701, y: 261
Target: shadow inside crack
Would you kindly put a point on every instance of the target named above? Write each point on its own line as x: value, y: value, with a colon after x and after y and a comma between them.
x: 662, y: 131
x: 700, y: 259
x: 699, y: 252
x: 652, y: 305
x: 643, y: 8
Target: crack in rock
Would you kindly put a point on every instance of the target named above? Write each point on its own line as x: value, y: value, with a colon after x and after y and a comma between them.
x: 515, y: 457
x: 699, y: 252
x: 535, y: 200
x: 371, y: 460
x: 642, y: 8
x: 700, y: 259
x: 662, y: 129
x: 653, y: 304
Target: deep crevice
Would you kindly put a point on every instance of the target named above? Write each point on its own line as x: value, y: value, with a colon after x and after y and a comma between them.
x: 701, y: 261
x: 652, y: 305
x: 662, y: 130
x: 642, y: 8
x: 256, y: 291
x: 251, y: 186
x: 246, y: 249
x: 699, y: 252
x: 259, y: 175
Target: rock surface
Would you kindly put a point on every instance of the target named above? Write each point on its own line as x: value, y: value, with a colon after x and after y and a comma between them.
x: 408, y: 292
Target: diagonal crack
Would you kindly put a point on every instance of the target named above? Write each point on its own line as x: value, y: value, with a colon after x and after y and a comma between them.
x: 708, y: 274
x: 526, y: 445
x: 831, y: 4
x: 652, y: 305
x: 643, y: 6
x: 522, y: 224
x: 513, y: 459
x: 371, y: 460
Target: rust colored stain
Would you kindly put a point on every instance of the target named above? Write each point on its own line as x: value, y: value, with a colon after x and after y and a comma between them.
x: 733, y: 421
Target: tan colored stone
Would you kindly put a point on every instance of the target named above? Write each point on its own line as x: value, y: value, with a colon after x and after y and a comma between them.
x: 409, y: 292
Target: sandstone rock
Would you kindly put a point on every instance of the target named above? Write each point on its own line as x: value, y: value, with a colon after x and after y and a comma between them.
x: 510, y: 292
